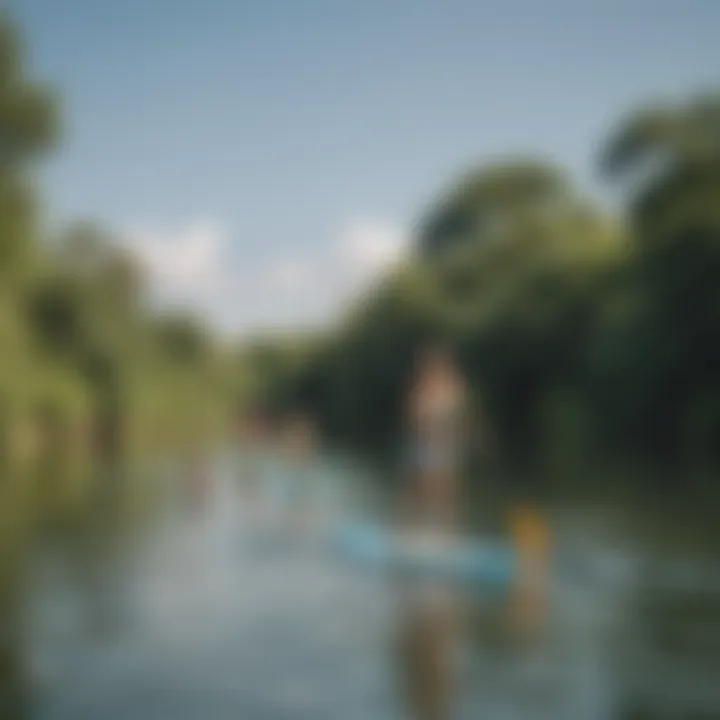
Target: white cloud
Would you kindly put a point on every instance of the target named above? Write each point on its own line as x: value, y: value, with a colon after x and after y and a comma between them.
x: 364, y: 250
x: 361, y: 251
x: 183, y: 261
x: 314, y: 288
x: 369, y: 246
x: 188, y: 267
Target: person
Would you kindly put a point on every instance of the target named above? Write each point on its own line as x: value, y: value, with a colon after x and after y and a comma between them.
x: 532, y: 542
x: 435, y: 414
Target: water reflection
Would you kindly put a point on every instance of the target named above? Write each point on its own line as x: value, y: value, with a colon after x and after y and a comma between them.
x: 149, y: 604
x: 15, y: 524
x: 14, y: 682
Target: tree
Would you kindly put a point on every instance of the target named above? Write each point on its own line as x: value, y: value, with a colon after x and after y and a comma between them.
x: 28, y: 120
x: 668, y: 159
x: 486, y: 203
x: 28, y: 123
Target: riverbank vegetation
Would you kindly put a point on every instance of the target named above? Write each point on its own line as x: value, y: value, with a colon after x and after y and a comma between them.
x: 591, y: 336
x: 90, y: 373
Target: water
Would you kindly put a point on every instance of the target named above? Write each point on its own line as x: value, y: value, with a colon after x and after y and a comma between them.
x: 185, y: 612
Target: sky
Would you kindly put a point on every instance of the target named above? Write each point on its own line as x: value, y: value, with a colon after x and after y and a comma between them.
x: 266, y: 159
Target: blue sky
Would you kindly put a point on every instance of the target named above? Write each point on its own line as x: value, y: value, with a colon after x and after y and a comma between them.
x: 265, y: 157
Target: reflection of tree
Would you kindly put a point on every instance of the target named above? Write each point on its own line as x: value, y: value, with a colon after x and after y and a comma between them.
x: 675, y: 641
x: 14, y: 690
x: 98, y: 573
x: 14, y: 683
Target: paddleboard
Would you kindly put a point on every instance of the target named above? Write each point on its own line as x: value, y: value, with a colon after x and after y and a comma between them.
x: 474, y: 561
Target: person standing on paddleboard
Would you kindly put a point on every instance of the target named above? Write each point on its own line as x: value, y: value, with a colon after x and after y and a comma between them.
x: 435, y: 416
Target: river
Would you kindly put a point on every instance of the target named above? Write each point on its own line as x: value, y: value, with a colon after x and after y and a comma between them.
x: 176, y: 607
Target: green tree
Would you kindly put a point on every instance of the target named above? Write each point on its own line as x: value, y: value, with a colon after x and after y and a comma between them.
x: 667, y: 158
x: 487, y: 202
x: 28, y: 123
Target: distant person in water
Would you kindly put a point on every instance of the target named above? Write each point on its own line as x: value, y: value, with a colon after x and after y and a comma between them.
x: 532, y: 542
x: 435, y: 417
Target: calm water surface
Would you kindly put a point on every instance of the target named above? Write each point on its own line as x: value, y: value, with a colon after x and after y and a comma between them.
x: 190, y: 610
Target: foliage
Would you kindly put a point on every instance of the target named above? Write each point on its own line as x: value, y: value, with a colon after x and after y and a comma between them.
x: 88, y: 372
x: 587, y: 338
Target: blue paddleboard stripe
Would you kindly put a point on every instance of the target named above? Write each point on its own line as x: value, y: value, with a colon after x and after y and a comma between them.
x: 474, y: 561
